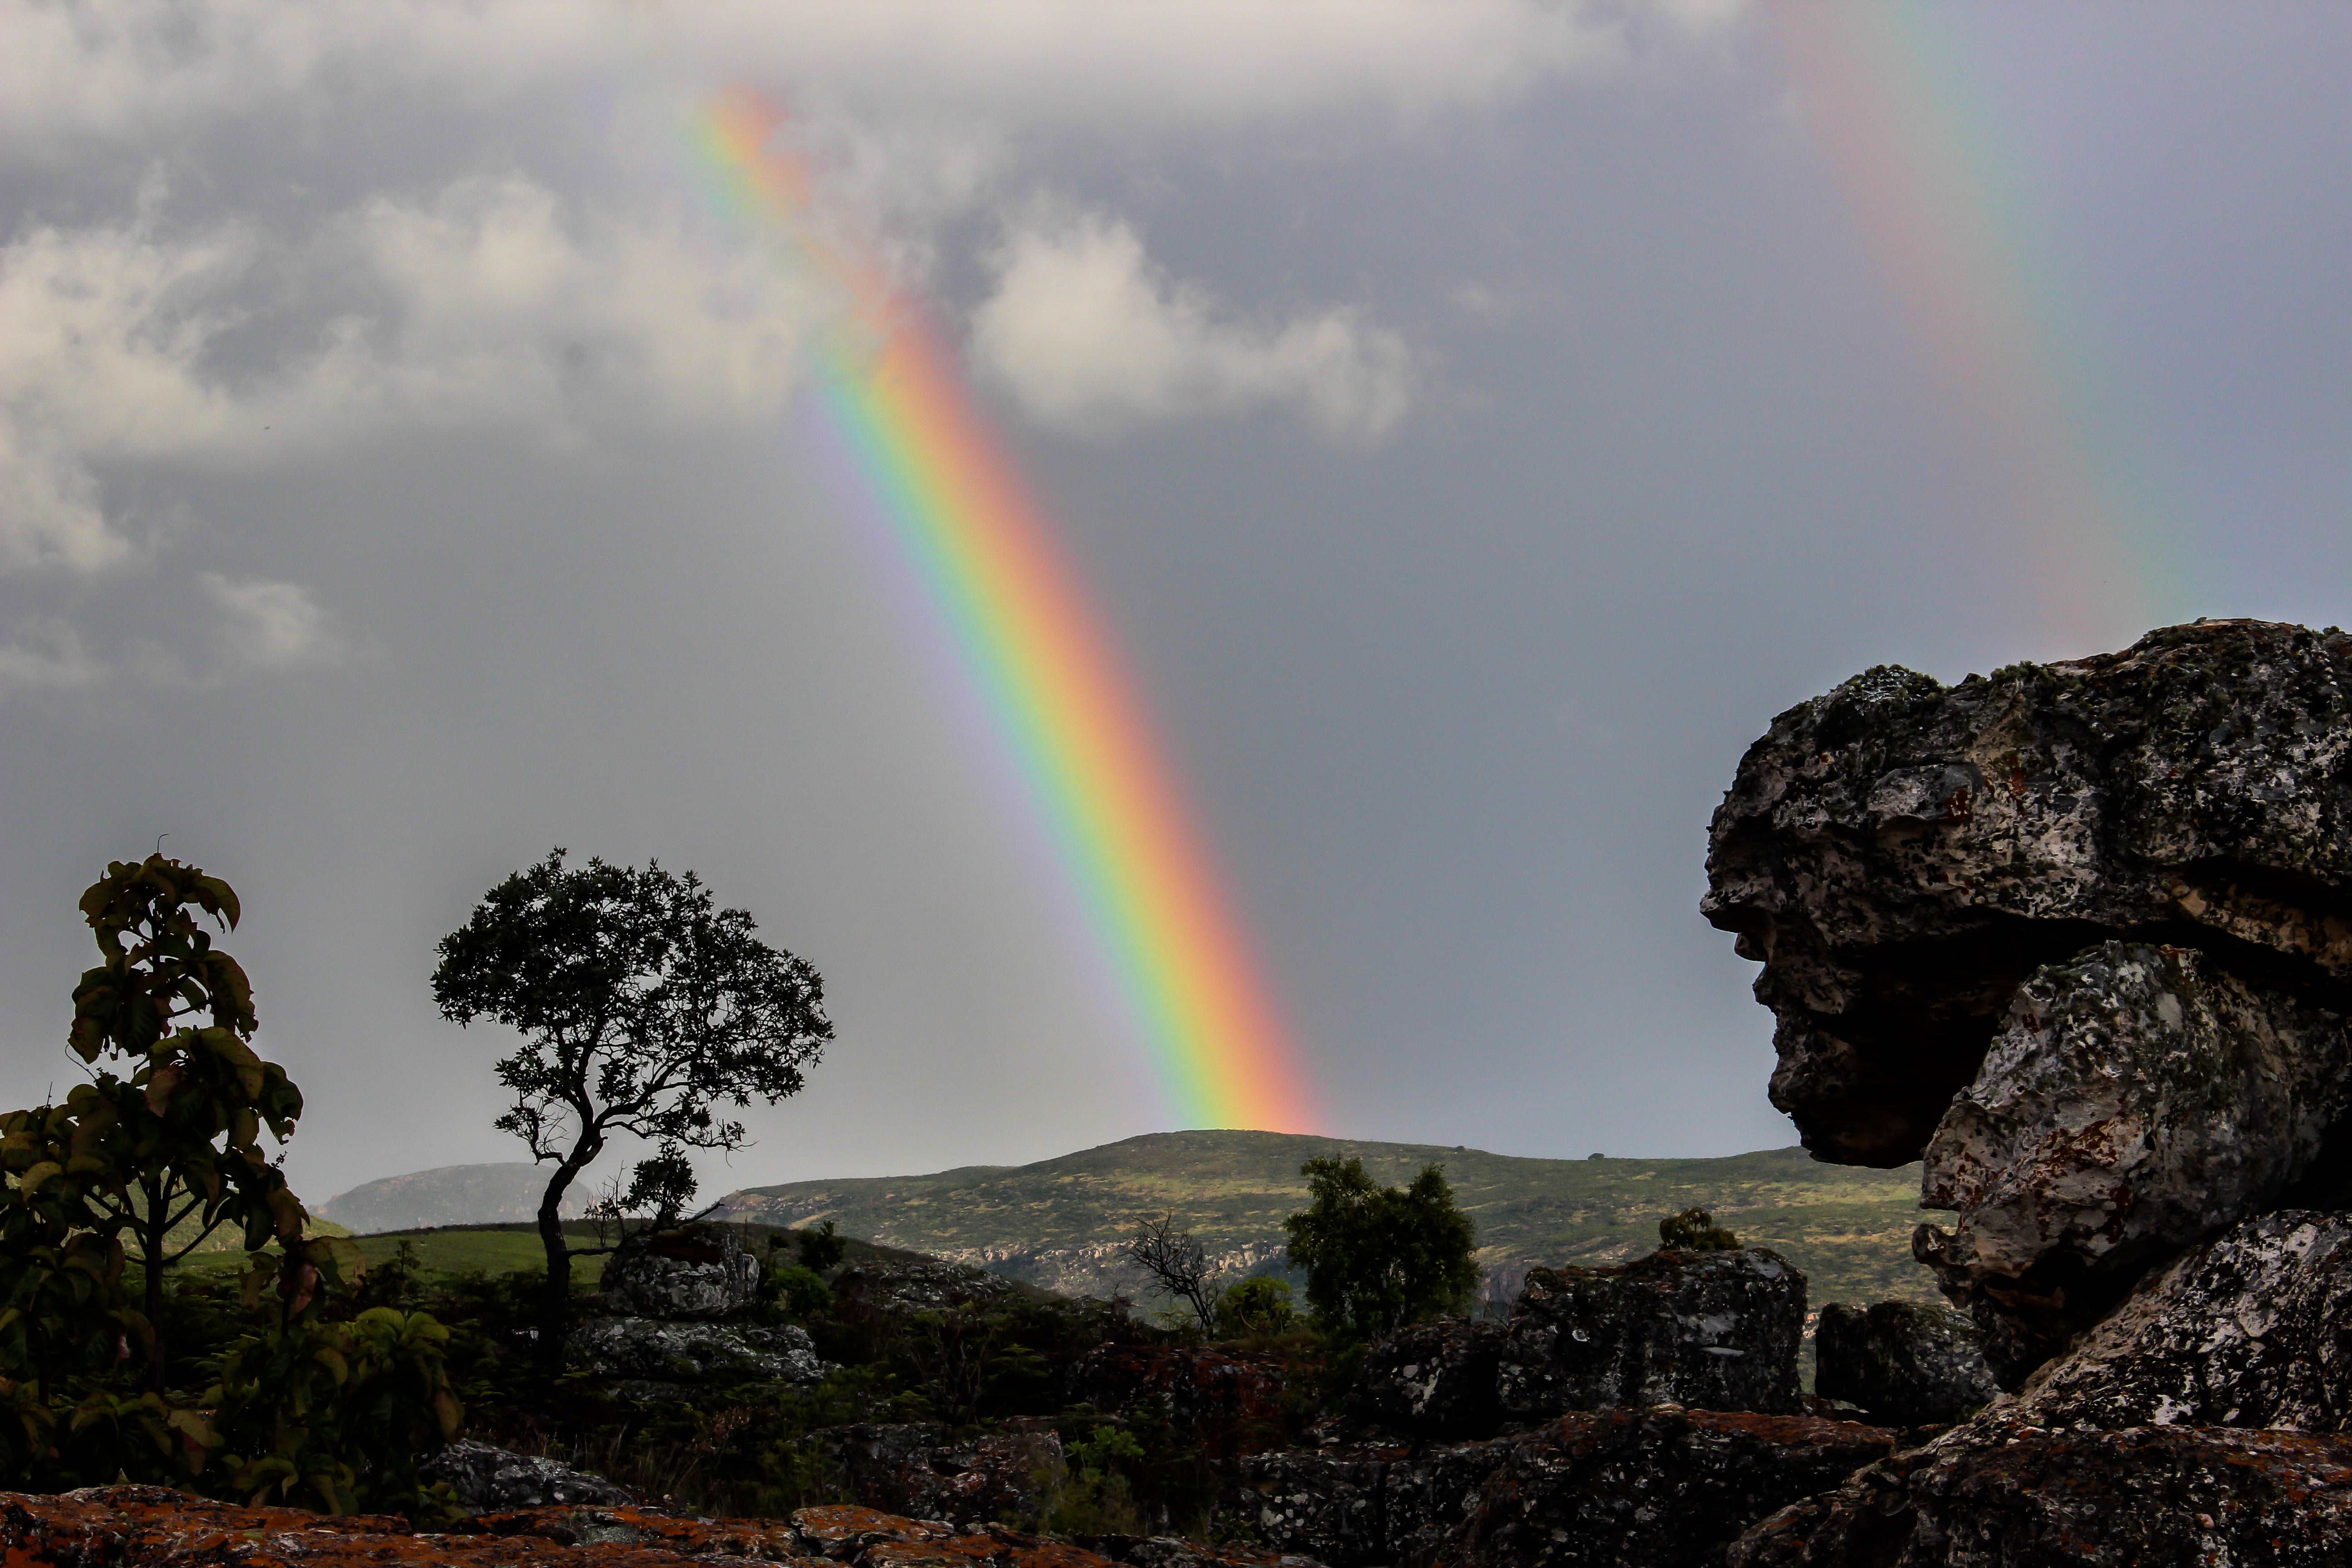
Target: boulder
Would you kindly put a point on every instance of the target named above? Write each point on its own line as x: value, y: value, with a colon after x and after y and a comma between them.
x: 1655, y: 1489
x: 1999, y: 1492
x: 1169, y: 1552
x: 700, y: 1272
x: 2080, y: 934
x: 2253, y: 1328
x: 920, y: 1468
x: 1715, y: 1330
x: 1904, y: 1363
x: 1664, y: 1485
x: 1229, y: 1403
x: 903, y: 1290
x: 689, y: 1353
x: 1901, y: 854
x: 1440, y: 1379
x: 486, y: 1478
x: 2137, y: 1098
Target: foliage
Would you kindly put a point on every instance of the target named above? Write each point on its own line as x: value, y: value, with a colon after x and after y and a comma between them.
x: 1176, y: 1263
x: 1694, y: 1230
x: 1095, y: 1494
x: 799, y: 1291
x: 822, y: 1247
x: 1255, y: 1306
x: 661, y: 1187
x: 641, y: 1008
x: 1377, y: 1258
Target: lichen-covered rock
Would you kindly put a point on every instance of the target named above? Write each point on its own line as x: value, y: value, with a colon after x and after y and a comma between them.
x: 1656, y: 1489
x: 1229, y: 1403
x: 1169, y: 1552
x: 2000, y: 1494
x: 700, y: 1272
x: 1425, y: 1497
x: 652, y: 1350
x: 1905, y: 1364
x: 1325, y: 1503
x: 151, y: 1527
x: 2136, y: 1099
x: 903, y: 1290
x: 2253, y: 1328
x: 484, y: 1478
x: 1441, y: 1379
x: 1715, y: 1330
x: 1902, y: 855
x: 921, y: 1470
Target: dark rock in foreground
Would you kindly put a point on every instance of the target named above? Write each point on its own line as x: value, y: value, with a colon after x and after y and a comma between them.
x: 920, y: 1469
x: 1713, y: 1331
x: 1904, y: 1363
x: 486, y: 1478
x: 648, y: 1350
x: 1441, y: 1378
x: 1228, y: 1400
x: 2007, y: 1495
x: 1665, y: 1487
x: 2253, y: 1328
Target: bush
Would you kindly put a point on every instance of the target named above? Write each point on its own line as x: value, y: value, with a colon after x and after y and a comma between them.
x: 1258, y: 1306
x: 1694, y: 1230
x: 799, y: 1291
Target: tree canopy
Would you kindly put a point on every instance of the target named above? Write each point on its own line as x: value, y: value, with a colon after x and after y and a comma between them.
x: 643, y: 1009
x: 1378, y: 1257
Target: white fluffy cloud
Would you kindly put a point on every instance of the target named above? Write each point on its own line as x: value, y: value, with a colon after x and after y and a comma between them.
x: 125, y: 68
x: 1088, y: 335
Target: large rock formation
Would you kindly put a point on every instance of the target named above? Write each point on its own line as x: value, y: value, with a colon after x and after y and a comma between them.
x: 2106, y: 904
x: 1902, y: 1362
x: 1628, y: 1489
x: 920, y: 1469
x: 699, y: 1272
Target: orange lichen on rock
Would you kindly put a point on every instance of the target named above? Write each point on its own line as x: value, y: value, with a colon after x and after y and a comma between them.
x: 134, y: 1527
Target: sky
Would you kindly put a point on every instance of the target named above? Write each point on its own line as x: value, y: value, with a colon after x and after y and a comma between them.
x: 1471, y: 420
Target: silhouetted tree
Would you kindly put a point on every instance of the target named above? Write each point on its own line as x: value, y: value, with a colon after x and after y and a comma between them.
x: 1176, y: 1264
x: 642, y: 1009
x: 1694, y: 1230
x: 1377, y: 1258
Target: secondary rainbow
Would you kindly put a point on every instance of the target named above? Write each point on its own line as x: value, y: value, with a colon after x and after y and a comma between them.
x: 1032, y: 644
x: 1890, y: 95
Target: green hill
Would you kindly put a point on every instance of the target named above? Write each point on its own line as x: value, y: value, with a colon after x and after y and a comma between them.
x: 1061, y: 1223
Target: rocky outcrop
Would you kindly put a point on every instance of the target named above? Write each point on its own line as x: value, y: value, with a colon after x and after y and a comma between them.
x: 485, y: 1478
x: 902, y: 1290
x: 1715, y: 1330
x: 1665, y: 1487
x: 1228, y: 1402
x: 1902, y: 1363
x: 649, y: 1351
x: 1442, y: 1379
x: 2002, y: 1492
x: 2106, y: 904
x: 921, y: 1470
x: 149, y: 1527
x: 2254, y: 1329
x: 698, y: 1273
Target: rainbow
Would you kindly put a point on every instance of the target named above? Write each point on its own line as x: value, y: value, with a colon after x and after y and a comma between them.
x: 1883, y: 87
x: 1047, y: 667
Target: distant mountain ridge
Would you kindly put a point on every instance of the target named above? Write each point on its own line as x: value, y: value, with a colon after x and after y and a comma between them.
x: 450, y: 1194
x: 1062, y: 1223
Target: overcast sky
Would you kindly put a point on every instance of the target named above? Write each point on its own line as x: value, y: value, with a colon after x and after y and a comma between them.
x: 1476, y: 418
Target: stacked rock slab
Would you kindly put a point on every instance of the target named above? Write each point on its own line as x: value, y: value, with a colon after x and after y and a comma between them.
x: 2078, y: 933
x: 670, y: 1296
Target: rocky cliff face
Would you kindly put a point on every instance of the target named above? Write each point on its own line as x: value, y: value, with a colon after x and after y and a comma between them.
x: 2079, y: 933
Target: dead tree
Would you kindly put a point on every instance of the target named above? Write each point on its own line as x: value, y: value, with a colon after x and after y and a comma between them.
x: 1176, y: 1263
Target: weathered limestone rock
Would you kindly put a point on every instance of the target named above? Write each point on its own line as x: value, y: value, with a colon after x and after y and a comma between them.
x: 1901, y: 854
x: 151, y: 1527
x: 486, y: 1478
x: 2138, y: 1099
x: 1904, y: 1363
x: 1996, y: 1494
x: 1713, y: 1331
x: 1440, y: 1378
x: 2253, y: 1328
x: 1667, y: 1487
x: 901, y: 1290
x: 920, y: 1471
x: 1228, y: 1402
x: 700, y: 1272
x: 674, y: 1352
x: 1658, y: 1489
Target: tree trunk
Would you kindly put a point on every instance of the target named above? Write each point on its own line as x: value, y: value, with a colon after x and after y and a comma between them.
x: 150, y: 1232
x: 555, y: 1309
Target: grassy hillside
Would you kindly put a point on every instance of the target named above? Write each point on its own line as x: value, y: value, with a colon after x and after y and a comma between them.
x: 1060, y: 1222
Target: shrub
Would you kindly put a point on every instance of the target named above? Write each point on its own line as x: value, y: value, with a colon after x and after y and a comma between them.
x: 1694, y: 1230
x: 1257, y: 1306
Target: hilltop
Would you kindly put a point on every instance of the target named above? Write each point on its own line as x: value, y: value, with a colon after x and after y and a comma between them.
x: 450, y: 1194
x: 1060, y: 1223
